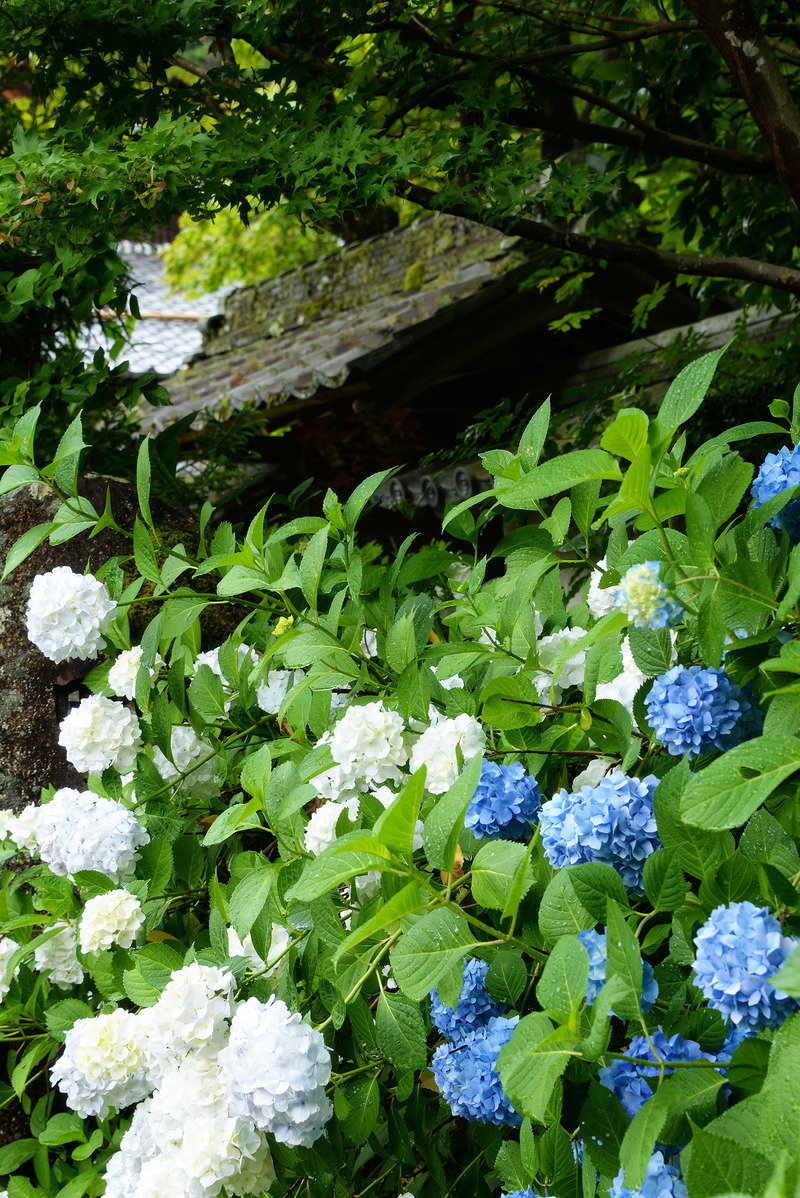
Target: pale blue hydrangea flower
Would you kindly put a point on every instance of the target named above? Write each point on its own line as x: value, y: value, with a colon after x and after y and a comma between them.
x: 779, y: 472
x: 645, y: 599
x: 473, y: 1010
x: 700, y: 708
x: 522, y: 1194
x: 612, y: 822
x: 467, y: 1077
x: 739, y: 948
x: 505, y: 803
x: 627, y: 1080
x: 595, y: 945
x: 660, y: 1181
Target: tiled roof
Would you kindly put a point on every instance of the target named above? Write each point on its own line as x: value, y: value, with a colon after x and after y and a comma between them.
x: 330, y: 322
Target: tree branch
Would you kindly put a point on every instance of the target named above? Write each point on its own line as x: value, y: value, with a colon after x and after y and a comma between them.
x: 658, y: 261
x: 734, y: 29
x: 648, y: 141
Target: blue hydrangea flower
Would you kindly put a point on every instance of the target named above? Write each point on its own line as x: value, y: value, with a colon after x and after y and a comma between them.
x: 643, y: 597
x: 611, y: 822
x: 522, y: 1194
x: 778, y: 472
x: 700, y: 708
x: 473, y: 1010
x: 595, y: 945
x: 627, y: 1080
x: 506, y: 802
x: 467, y: 1077
x: 660, y: 1181
x: 739, y: 948
x: 736, y: 1035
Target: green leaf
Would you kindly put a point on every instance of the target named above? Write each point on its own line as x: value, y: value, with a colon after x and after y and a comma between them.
x: 699, y: 531
x: 411, y: 898
x: 234, y: 819
x: 788, y: 976
x: 61, y: 1016
x: 561, y: 912
x: 719, y: 1164
x: 627, y: 436
x: 334, y: 866
x: 594, y: 884
x: 560, y: 990
x: 508, y: 1167
x: 494, y: 869
x: 251, y: 897
x: 443, y: 826
x: 15, y: 1154
x: 532, y: 1062
x: 506, y: 978
x: 710, y: 630
x: 401, y: 643
x: 557, y: 475
x: 429, y: 949
x: 256, y: 772
x: 684, y: 396
x: 155, y: 864
x: 664, y: 883
x: 401, y: 1031
x: 17, y: 476
x: 207, y: 696
x: 686, y: 1090
x: 603, y: 1127
x: 63, y: 1128
x: 143, y: 480
x: 363, y: 1097
x: 311, y: 566
x: 533, y: 438
x: 510, y: 702
x: 25, y: 545
x: 652, y: 651
x: 624, y: 961
x: 355, y: 505
x: 395, y: 828
x: 727, y: 792
x: 144, y: 554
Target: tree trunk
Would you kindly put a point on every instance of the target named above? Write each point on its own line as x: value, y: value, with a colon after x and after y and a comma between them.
x: 734, y: 29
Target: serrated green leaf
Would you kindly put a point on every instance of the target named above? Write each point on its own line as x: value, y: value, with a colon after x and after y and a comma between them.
x: 684, y: 1091
x: 61, y: 1016
x: 443, y: 826
x: 726, y: 793
x: 493, y: 871
x: 401, y: 1031
x: 594, y: 884
x: 396, y: 827
x: 664, y: 883
x: 251, y: 897
x: 532, y: 1062
x: 559, y: 474
x: 144, y: 554
x: 506, y: 977
x: 561, y: 988
x: 311, y: 566
x: 603, y: 1127
x: 627, y: 435
x: 561, y: 912
x: 624, y: 961
x: 428, y: 949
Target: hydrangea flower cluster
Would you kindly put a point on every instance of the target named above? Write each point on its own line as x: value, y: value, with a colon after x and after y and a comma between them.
x: 599, y: 600
x: 7, y: 949
x: 660, y: 1181
x: 611, y: 822
x: 190, y: 1015
x: 368, y: 745
x: 321, y: 826
x: 58, y: 956
x: 103, y: 1064
x: 280, y: 940
x: 645, y: 599
x: 595, y: 945
x: 739, y: 948
x: 275, y: 1069
x: 80, y: 830
x: 572, y: 672
x: 99, y: 733
x: 627, y: 1080
x: 778, y: 473
x: 473, y: 1009
x: 122, y: 675
x: 528, y: 1193
x: 273, y: 690
x: 505, y: 803
x: 693, y: 710
x: 466, y: 1074
x: 67, y: 614
x: 112, y: 918
x: 437, y: 749
x: 192, y: 762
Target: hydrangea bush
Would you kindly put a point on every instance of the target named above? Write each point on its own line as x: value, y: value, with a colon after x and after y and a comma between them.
x: 440, y: 875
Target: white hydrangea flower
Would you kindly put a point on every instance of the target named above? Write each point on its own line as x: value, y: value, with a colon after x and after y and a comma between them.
x: 437, y: 746
x: 112, y: 918
x: 7, y: 949
x: 77, y: 831
x: 339, y: 700
x: 58, y: 957
x: 22, y: 827
x: 275, y: 687
x: 279, y: 942
x: 187, y: 1136
x: 595, y: 770
x: 572, y: 672
x: 321, y: 827
x: 122, y: 675
x: 369, y: 643
x: 451, y: 684
x: 275, y: 1069
x: 99, y: 733
x: 190, y: 1014
x: 367, y: 885
x: 102, y: 1064
x: 368, y: 744
x: 599, y: 601
x: 187, y: 749
x: 458, y: 572
x: 67, y: 614
x: 623, y: 688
